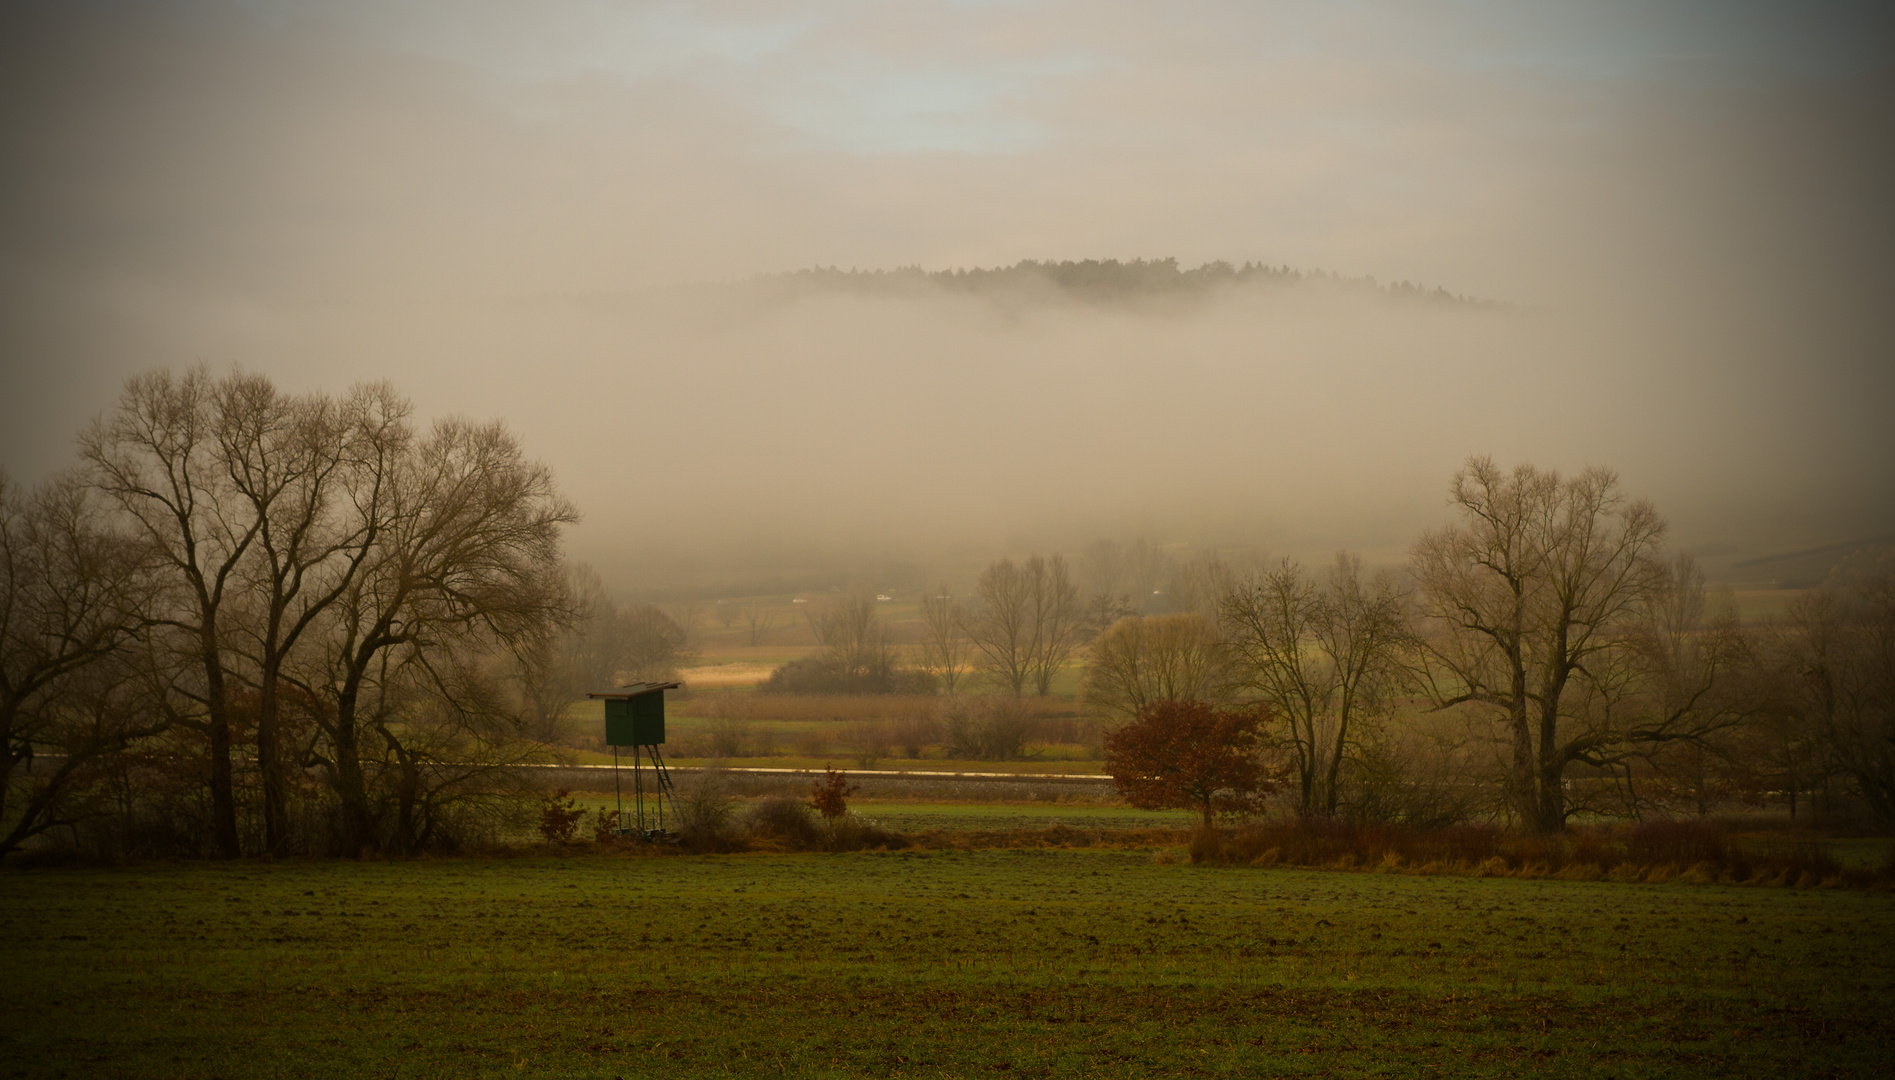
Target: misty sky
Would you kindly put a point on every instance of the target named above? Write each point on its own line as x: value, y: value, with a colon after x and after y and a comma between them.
x: 517, y: 210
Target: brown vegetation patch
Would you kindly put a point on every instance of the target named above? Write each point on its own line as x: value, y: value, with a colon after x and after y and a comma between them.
x: 1653, y: 852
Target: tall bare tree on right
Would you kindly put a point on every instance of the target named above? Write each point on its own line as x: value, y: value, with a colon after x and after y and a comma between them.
x: 1542, y: 579
x: 1836, y: 662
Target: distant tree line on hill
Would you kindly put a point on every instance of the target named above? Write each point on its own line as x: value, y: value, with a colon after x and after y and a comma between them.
x: 1098, y: 281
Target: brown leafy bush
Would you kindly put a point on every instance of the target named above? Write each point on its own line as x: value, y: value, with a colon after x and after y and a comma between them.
x: 829, y: 796
x: 605, y: 827
x: 559, y: 817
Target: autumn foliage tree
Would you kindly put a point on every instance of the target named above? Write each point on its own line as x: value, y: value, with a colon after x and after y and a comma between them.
x: 830, y: 794
x: 1190, y: 755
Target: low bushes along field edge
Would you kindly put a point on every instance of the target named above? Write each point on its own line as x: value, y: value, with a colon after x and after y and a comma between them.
x: 1652, y: 852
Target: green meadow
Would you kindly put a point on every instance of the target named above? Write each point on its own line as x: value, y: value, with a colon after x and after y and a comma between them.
x: 1032, y: 962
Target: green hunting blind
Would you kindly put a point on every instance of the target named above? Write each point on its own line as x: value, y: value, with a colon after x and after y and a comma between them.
x: 635, y: 719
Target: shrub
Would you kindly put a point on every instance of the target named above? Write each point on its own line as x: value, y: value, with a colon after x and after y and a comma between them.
x: 826, y: 674
x: 788, y: 823
x: 852, y: 833
x: 1684, y: 843
x: 559, y: 817
x: 988, y: 728
x: 705, y: 811
x: 869, y: 741
x: 1654, y: 852
x: 914, y: 733
x: 605, y: 827
x: 829, y: 796
x: 727, y: 737
x: 1407, y: 778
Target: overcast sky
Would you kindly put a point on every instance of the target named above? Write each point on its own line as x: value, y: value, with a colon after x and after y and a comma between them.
x: 1686, y: 207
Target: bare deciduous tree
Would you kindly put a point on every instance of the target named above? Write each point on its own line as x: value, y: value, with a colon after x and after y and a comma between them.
x: 1197, y: 585
x: 157, y: 458
x: 852, y: 636
x: 1839, y: 659
x: 604, y: 645
x: 306, y: 468
x: 558, y: 667
x: 1322, y: 654
x: 944, y: 642
x: 1002, y: 630
x: 686, y: 614
x: 1058, y: 617
x: 1672, y: 697
x: 1102, y: 569
x: 1541, y: 579
x: 1144, y: 659
x: 987, y: 727
x: 1028, y: 624
x: 1146, y: 567
x: 648, y: 643
x: 759, y: 620
x: 467, y: 553
x: 73, y: 594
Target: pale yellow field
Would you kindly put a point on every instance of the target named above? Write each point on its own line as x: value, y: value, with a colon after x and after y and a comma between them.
x: 725, y: 676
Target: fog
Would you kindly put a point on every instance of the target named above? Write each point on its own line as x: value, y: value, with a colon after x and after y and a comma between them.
x: 1677, y: 219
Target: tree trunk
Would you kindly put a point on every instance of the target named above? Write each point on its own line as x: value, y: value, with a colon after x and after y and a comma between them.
x: 1552, y: 809
x: 270, y: 764
x: 357, y: 822
x: 1333, y: 781
x: 1525, y: 763
x: 406, y: 836
x: 1549, y: 772
x: 223, y: 794
x: 1524, y: 790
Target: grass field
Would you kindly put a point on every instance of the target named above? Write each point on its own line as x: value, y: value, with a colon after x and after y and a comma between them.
x: 992, y: 963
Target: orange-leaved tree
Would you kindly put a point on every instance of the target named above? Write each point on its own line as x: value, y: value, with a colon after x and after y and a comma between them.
x: 829, y: 794
x: 1190, y: 755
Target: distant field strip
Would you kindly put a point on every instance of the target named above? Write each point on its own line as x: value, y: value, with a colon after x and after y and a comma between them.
x: 725, y: 676
x: 892, y: 785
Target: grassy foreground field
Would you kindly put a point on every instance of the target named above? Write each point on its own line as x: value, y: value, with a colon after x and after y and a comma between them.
x: 992, y: 963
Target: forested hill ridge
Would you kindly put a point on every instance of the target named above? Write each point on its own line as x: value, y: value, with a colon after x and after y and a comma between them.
x: 1099, y: 281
